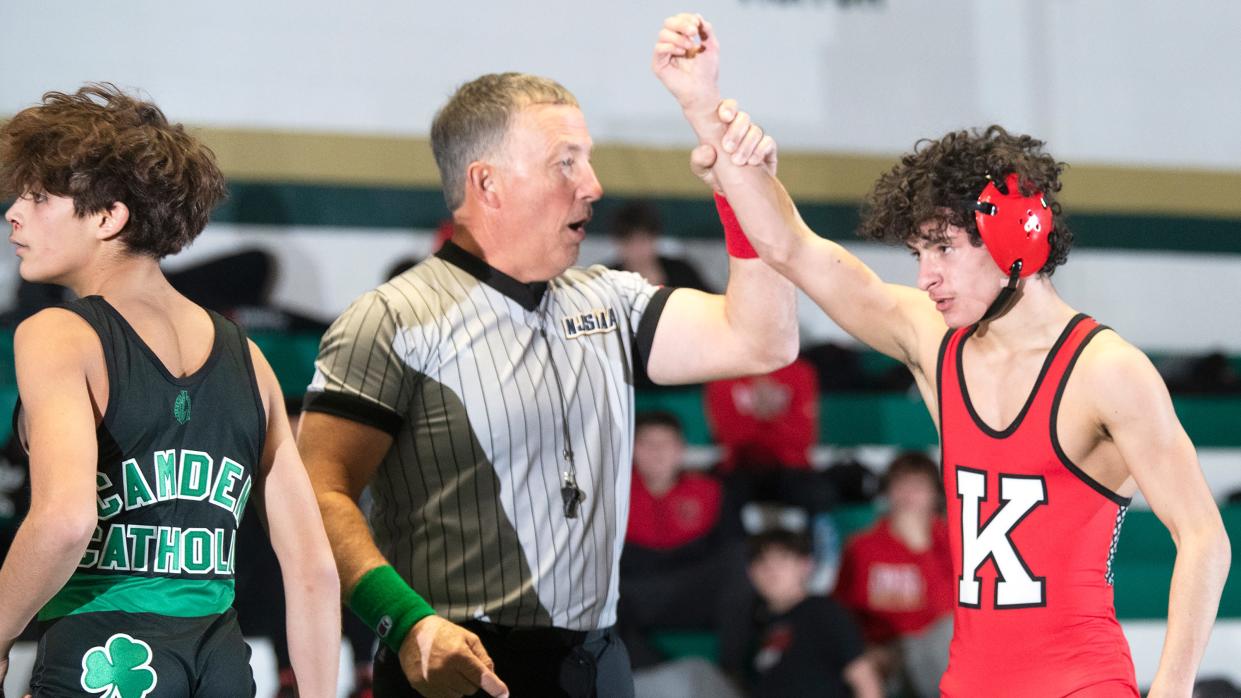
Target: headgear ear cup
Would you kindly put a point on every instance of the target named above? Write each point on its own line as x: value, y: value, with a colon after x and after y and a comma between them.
x: 1014, y: 228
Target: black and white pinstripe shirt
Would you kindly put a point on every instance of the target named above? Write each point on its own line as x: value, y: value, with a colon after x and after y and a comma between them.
x: 462, y: 364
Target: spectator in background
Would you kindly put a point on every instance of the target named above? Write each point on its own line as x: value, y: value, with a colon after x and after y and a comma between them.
x: 766, y: 421
x: 897, y: 577
x: 766, y: 426
x: 636, y: 230
x: 683, y: 565
x: 808, y: 645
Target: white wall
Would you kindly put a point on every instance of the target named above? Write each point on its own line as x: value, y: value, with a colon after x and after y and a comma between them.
x: 1103, y: 80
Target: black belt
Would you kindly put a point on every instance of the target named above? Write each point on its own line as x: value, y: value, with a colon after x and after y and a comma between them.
x: 529, y: 637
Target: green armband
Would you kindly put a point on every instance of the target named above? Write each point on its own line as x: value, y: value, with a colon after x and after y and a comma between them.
x: 387, y: 605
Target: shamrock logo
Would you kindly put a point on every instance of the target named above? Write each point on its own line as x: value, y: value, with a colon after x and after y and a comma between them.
x: 121, y: 668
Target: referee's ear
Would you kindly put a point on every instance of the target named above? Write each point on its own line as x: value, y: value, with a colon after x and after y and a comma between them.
x: 481, y: 183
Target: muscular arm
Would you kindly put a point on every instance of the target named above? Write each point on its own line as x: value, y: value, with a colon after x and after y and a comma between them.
x: 896, y: 320
x: 1135, y: 409
x: 342, y: 456
x: 751, y: 328
x: 53, y: 351
x: 297, y: 536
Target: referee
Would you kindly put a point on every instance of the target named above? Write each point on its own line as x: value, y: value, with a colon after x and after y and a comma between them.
x: 485, y: 396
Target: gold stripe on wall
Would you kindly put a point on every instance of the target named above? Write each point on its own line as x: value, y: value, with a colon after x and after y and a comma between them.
x: 328, y: 158
x: 399, y: 161
x: 1192, y: 192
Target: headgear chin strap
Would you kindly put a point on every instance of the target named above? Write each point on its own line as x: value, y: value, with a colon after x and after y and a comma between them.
x: 1015, y: 229
x: 1006, y: 296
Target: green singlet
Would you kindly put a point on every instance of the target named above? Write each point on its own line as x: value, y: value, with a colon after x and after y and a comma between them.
x: 147, y: 611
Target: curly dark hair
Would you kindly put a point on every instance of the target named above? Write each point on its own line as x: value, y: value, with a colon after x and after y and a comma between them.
x: 939, y: 181
x: 99, y: 146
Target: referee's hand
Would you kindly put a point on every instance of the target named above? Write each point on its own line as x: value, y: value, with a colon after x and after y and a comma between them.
x: 444, y: 660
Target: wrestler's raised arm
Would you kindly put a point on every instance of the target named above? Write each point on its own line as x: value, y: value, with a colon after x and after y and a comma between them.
x: 900, y: 321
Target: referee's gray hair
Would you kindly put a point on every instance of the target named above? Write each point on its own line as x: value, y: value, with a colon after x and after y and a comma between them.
x: 476, y: 118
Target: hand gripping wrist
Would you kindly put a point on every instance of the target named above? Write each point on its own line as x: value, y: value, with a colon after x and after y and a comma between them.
x: 387, y: 605
x: 735, y: 241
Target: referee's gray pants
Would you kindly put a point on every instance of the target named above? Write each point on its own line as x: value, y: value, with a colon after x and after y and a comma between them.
x: 535, y: 663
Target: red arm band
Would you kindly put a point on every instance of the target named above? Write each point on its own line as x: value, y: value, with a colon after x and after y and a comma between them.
x: 735, y: 241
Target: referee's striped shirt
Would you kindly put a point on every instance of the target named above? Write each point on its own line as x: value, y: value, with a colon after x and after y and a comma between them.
x: 473, y: 374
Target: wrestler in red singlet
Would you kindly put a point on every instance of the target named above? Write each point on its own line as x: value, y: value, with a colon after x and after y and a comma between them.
x: 1032, y: 540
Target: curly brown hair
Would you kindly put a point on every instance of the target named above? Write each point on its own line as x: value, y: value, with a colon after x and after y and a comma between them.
x: 99, y: 146
x: 940, y: 180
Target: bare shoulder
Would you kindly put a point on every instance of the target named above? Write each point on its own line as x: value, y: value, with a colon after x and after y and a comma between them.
x: 1119, y: 377
x: 269, y: 386
x: 59, y: 360
x: 256, y: 355
x: 1110, y: 358
x: 55, y: 336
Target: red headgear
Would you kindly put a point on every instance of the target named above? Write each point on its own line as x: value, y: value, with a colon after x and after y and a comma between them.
x: 1014, y: 228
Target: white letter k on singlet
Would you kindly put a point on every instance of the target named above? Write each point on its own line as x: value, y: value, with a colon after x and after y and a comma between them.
x: 1015, y: 585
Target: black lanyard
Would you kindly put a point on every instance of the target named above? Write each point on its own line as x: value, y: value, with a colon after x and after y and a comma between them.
x: 570, y: 493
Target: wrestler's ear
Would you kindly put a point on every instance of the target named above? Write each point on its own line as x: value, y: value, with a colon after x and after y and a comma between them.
x: 110, y: 221
x: 482, y: 182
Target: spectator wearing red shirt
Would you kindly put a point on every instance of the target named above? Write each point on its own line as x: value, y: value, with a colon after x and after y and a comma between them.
x: 766, y: 426
x: 668, y: 508
x: 766, y: 421
x: 683, y: 565
x: 897, y: 578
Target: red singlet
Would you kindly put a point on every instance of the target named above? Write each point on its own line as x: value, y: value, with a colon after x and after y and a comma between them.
x: 1032, y: 540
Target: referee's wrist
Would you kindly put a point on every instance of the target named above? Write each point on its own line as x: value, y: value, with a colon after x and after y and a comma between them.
x: 387, y: 605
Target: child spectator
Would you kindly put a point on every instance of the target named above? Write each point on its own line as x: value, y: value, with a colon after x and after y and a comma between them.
x: 683, y: 565
x: 809, y: 645
x: 766, y: 426
x: 896, y: 577
x: 635, y: 231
